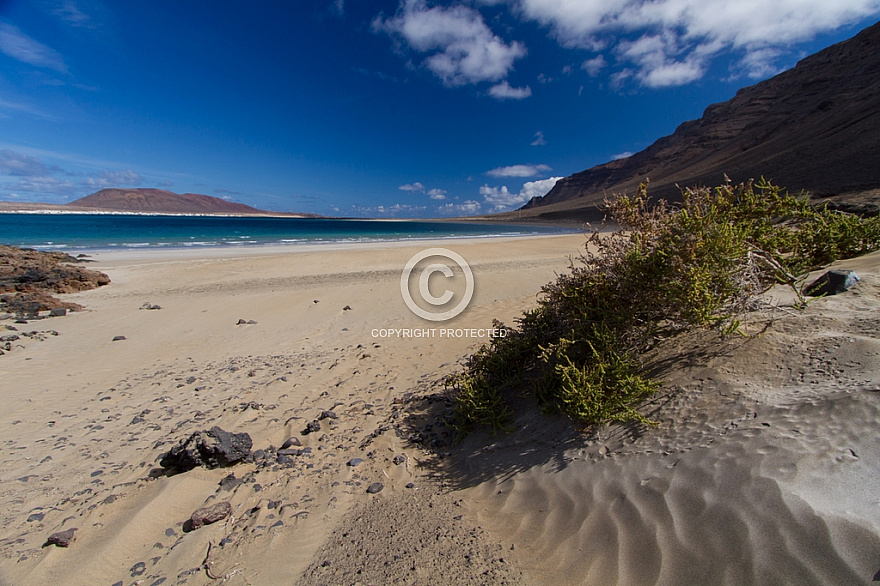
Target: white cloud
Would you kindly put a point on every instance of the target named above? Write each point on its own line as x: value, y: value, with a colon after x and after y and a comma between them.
x: 519, y: 171
x: 389, y: 210
x: 21, y: 47
x: 412, y: 187
x: 670, y: 42
x: 114, y: 179
x: 537, y: 188
x: 623, y: 155
x: 502, y: 198
x: 504, y: 91
x: 466, y: 208
x: 539, y: 139
x: 437, y: 194
x: 594, y: 66
x: 462, y: 48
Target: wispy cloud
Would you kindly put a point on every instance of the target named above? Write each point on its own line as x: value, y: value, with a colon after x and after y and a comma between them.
x: 20, y: 107
x: 623, y: 155
x: 126, y: 178
x: 30, y: 174
x: 71, y: 14
x: 21, y: 165
x: 438, y: 194
x: 519, y: 171
x: 539, y: 139
x: 661, y: 43
x: 461, y: 47
x: 21, y: 47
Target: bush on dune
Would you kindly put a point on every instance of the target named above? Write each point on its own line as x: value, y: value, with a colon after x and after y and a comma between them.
x: 700, y: 263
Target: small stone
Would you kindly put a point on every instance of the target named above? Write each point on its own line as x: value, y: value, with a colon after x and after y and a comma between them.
x: 355, y: 462
x: 375, y: 488
x: 213, y: 448
x: 291, y: 442
x: 212, y: 514
x: 327, y: 415
x: 35, y: 517
x: 138, y: 569
x: 118, y: 338
x: 346, y: 308
x: 229, y: 482
x: 62, y: 538
x: 410, y: 485
x: 241, y: 322
x: 398, y: 460
x: 58, y: 312
x: 312, y: 427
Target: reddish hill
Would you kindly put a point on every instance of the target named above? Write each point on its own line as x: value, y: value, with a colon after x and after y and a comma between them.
x: 158, y: 200
x: 815, y: 127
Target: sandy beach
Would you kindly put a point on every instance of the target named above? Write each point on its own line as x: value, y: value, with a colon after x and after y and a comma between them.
x: 764, y: 467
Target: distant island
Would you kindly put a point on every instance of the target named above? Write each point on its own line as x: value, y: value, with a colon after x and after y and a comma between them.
x: 148, y: 201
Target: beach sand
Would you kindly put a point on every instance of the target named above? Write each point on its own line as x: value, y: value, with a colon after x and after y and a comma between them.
x: 764, y: 467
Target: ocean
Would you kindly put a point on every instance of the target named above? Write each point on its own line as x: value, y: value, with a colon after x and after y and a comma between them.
x: 74, y: 232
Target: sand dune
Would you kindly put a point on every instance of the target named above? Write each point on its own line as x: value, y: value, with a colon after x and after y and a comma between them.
x: 763, y: 467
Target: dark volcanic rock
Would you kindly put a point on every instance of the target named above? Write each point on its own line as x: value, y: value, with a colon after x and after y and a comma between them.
x: 230, y: 482
x: 312, y: 427
x: 212, y: 514
x: 29, y: 278
x: 832, y: 283
x: 214, y: 448
x: 291, y: 442
x: 375, y: 487
x: 61, y: 538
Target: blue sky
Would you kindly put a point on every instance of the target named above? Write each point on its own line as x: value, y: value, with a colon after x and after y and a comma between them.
x: 400, y: 108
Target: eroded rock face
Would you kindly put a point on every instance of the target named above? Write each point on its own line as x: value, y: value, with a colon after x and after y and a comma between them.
x: 215, y: 448
x: 29, y: 278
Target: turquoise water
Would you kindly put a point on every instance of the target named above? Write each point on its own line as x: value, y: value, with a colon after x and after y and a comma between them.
x: 114, y: 231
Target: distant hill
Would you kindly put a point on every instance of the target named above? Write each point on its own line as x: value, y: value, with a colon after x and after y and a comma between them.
x: 815, y: 127
x: 158, y: 200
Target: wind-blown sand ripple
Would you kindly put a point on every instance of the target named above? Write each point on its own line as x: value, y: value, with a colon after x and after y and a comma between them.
x: 764, y: 467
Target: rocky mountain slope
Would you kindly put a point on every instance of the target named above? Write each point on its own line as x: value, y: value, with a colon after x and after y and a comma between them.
x: 815, y: 127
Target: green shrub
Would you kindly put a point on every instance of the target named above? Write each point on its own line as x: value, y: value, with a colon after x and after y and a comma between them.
x: 668, y: 269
